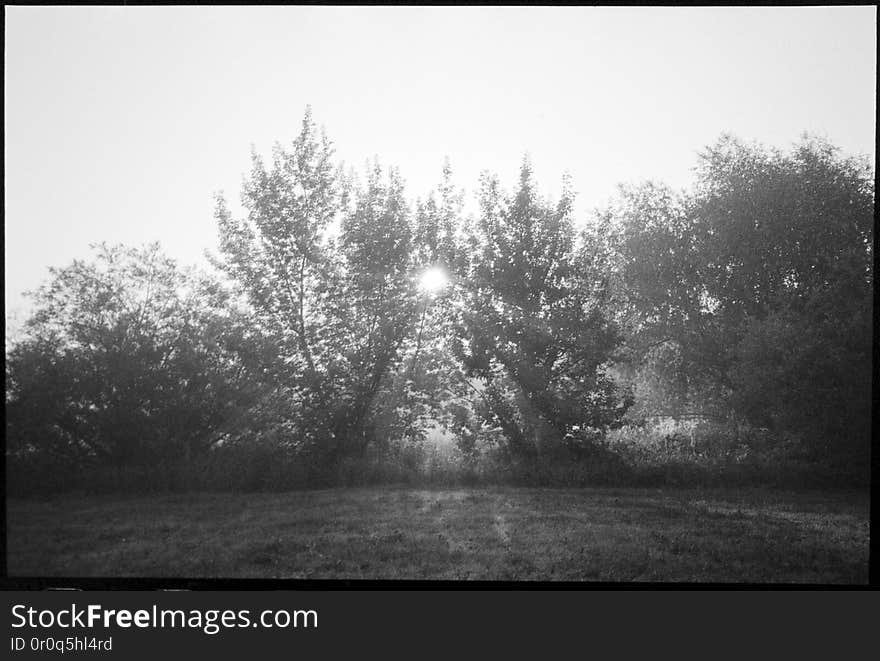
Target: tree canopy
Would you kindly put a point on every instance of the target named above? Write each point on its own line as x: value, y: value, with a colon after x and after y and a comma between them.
x: 129, y: 360
x: 753, y: 290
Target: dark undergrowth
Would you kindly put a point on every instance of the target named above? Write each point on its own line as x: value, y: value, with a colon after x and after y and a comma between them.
x: 670, y: 454
x: 231, y: 471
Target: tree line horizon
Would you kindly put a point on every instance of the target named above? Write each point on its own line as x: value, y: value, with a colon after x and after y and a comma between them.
x: 744, y: 301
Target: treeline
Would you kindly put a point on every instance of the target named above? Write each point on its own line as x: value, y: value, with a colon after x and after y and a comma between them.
x: 342, y: 324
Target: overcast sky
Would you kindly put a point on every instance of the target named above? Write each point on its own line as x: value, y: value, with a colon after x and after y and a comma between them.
x: 121, y: 122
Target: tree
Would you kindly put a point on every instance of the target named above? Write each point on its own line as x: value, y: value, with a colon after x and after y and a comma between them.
x: 128, y: 361
x: 533, y: 325
x: 373, y: 307
x: 432, y: 380
x: 760, y: 280
x: 788, y: 241
x: 646, y: 247
x: 326, y: 268
x: 279, y: 257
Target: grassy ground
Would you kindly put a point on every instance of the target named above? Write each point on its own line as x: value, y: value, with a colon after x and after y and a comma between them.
x: 521, y: 534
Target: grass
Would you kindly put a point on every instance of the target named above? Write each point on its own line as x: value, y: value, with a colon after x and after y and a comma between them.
x: 504, y: 533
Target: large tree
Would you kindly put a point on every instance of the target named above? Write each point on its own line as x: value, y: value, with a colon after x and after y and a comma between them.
x: 128, y: 360
x: 373, y: 306
x: 534, y: 325
x: 326, y: 267
x: 278, y: 255
x: 756, y: 285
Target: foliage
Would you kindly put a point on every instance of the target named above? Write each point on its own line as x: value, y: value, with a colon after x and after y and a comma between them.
x: 338, y: 307
x: 374, y: 307
x: 751, y: 295
x: 128, y: 360
x: 533, y: 325
x: 351, y: 326
x: 277, y: 255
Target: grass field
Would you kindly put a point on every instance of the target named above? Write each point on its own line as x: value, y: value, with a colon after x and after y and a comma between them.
x: 503, y: 533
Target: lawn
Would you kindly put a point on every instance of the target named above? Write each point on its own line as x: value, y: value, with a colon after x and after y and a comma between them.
x: 496, y: 533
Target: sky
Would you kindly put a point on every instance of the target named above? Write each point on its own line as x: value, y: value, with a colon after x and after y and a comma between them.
x: 121, y: 123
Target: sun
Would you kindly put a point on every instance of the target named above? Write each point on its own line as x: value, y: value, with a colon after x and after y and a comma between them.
x: 433, y: 280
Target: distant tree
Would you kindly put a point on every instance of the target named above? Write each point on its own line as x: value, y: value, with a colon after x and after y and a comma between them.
x: 534, y: 325
x: 128, y: 361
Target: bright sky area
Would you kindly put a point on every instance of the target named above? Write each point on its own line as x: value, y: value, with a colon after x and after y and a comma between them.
x: 122, y: 122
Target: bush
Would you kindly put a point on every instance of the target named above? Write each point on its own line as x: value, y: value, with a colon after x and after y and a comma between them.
x: 667, y: 453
